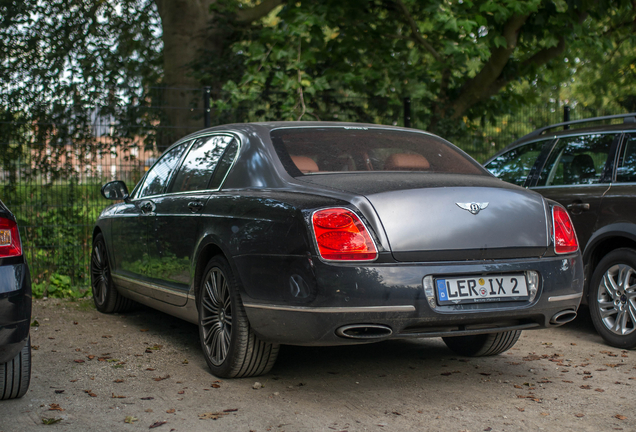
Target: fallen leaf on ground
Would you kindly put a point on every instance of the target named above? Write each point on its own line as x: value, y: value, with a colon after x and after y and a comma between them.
x: 620, y: 417
x: 107, y: 336
x: 147, y: 398
x: 55, y: 407
x: 90, y: 393
x: 161, y: 378
x: 579, y: 415
x: 59, y: 391
x: 230, y: 410
x: 545, y: 414
x: 50, y: 421
x: 114, y: 396
x: 171, y: 411
x: 130, y: 419
x: 521, y: 409
x: 215, y: 386
x: 157, y: 424
x: 210, y: 416
x: 599, y: 390
x: 119, y: 380
x: 79, y: 361
x: 586, y: 387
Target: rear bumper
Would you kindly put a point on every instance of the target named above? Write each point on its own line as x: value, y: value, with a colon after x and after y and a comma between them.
x: 15, y: 308
x: 391, y: 296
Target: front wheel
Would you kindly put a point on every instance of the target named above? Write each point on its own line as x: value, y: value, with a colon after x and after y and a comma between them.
x: 484, y: 344
x: 612, y: 298
x: 15, y: 375
x: 230, y: 347
x: 106, y: 297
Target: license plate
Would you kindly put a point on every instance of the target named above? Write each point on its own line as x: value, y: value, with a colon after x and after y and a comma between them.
x: 468, y: 289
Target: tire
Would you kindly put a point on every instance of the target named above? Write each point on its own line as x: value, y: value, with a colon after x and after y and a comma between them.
x: 612, y: 298
x: 105, y: 295
x: 15, y: 375
x: 230, y: 347
x: 484, y: 344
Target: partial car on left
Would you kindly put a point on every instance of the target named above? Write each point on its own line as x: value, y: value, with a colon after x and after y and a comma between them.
x: 15, y: 310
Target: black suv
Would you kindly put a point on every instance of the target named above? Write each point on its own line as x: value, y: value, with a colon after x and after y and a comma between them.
x: 591, y: 170
x: 15, y: 311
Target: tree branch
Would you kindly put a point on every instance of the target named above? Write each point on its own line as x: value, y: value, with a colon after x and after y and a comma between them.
x: 474, y: 89
x: 416, y: 31
x: 246, y: 16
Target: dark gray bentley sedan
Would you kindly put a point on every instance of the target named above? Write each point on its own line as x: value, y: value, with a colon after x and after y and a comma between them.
x: 333, y: 233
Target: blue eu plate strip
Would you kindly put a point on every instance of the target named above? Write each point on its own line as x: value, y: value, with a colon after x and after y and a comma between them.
x: 442, y: 294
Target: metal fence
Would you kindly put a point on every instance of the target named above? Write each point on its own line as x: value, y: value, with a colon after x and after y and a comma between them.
x: 51, y: 180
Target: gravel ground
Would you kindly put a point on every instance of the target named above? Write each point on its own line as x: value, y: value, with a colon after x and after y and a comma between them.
x: 145, y: 370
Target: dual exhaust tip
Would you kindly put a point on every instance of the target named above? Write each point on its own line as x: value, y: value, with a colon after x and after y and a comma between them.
x: 563, y: 317
x: 364, y: 331
x: 379, y: 331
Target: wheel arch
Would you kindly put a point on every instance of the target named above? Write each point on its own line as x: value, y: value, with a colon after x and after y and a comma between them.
x: 208, y: 249
x: 604, y: 241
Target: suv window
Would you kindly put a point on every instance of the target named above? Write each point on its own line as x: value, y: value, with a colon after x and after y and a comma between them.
x: 199, y: 164
x: 158, y: 176
x: 515, y: 165
x: 626, y: 171
x: 577, y: 160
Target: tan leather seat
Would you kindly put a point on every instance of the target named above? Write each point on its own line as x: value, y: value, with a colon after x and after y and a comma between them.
x: 305, y: 164
x: 406, y: 162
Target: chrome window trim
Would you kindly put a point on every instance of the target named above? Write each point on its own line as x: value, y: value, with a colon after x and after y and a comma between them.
x: 238, y: 151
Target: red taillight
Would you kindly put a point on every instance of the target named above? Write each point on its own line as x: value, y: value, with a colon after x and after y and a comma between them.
x: 341, y: 236
x: 9, y: 239
x: 564, y: 236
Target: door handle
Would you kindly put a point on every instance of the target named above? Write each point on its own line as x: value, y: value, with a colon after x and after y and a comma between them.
x: 578, y: 207
x: 195, y: 206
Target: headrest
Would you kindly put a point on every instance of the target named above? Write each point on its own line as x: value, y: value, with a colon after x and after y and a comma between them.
x: 406, y: 162
x: 305, y: 164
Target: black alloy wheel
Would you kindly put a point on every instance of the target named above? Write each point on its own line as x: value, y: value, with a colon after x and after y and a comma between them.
x: 612, y: 298
x: 230, y: 347
x: 106, y: 297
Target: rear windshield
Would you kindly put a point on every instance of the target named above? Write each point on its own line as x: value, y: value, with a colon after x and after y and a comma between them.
x: 307, y: 151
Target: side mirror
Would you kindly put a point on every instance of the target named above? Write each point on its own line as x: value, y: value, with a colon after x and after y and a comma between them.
x: 115, y: 190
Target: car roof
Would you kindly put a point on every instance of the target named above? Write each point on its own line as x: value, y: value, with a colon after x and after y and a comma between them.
x: 543, y: 133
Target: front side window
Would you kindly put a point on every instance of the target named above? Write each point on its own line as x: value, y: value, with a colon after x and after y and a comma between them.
x: 577, y: 160
x: 158, y: 176
x: 306, y: 151
x: 515, y: 165
x: 626, y: 171
x: 199, y: 164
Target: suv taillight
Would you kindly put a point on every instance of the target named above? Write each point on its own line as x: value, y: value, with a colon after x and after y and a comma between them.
x: 564, y: 236
x: 341, y: 236
x: 9, y: 239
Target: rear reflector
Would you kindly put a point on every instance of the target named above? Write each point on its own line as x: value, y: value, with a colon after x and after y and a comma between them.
x: 9, y: 239
x: 341, y: 236
x: 564, y: 236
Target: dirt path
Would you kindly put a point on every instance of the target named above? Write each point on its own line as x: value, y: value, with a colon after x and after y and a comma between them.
x: 97, y: 372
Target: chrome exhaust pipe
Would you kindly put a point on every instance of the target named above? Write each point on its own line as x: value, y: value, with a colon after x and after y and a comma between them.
x: 563, y: 317
x: 364, y: 331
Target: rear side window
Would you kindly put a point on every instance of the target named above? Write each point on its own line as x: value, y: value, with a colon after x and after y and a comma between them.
x: 158, y: 176
x: 626, y: 171
x: 515, y: 165
x: 306, y: 151
x: 577, y: 160
x: 199, y: 164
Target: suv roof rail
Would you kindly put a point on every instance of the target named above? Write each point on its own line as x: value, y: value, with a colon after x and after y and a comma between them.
x: 627, y: 118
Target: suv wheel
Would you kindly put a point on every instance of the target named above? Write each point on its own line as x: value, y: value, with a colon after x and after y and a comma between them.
x: 613, y: 298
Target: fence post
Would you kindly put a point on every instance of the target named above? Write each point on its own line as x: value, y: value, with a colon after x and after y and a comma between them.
x: 407, y: 112
x: 566, y: 116
x: 206, y: 107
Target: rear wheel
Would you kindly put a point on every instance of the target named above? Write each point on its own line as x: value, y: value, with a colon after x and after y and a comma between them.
x: 15, y: 375
x: 484, y: 344
x: 106, y: 297
x: 230, y: 347
x: 612, y: 298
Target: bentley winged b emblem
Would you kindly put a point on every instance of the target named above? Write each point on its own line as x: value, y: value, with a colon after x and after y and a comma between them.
x: 474, y: 208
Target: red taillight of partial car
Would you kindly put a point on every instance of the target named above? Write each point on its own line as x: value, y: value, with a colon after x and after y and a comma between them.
x: 9, y: 239
x: 341, y: 236
x: 564, y: 236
